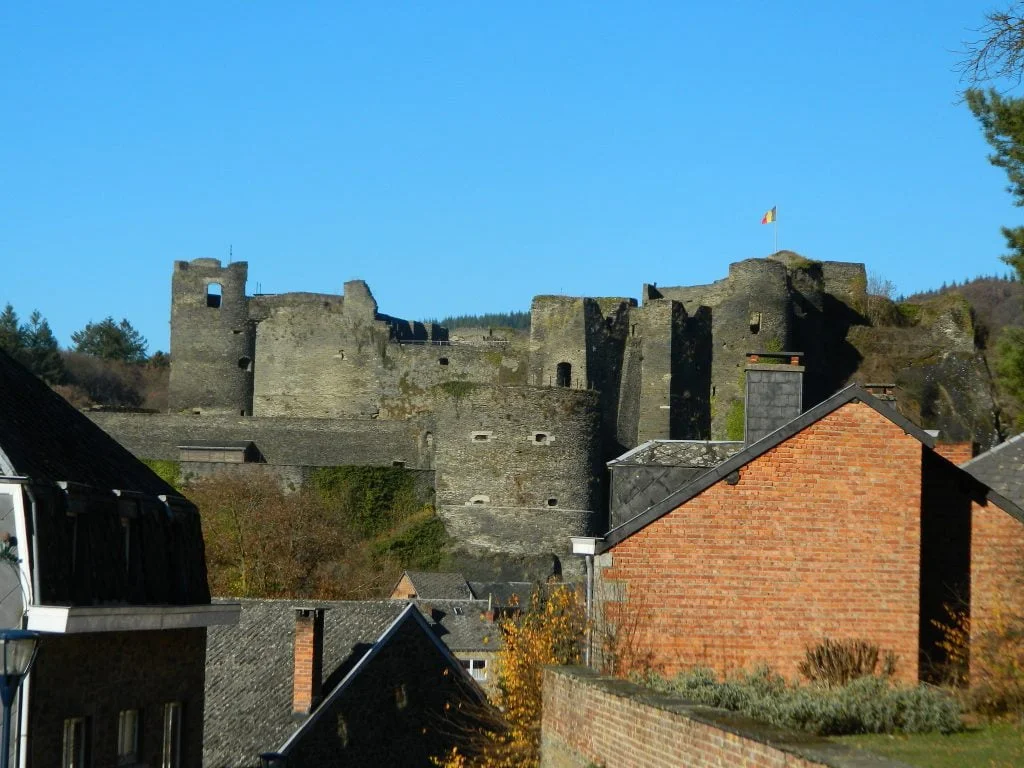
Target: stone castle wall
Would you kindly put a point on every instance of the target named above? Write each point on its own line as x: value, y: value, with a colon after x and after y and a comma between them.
x: 326, y: 379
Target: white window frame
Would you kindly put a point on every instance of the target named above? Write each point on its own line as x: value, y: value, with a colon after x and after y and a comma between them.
x: 75, y: 753
x: 477, y: 668
x: 172, y: 735
x: 128, y: 736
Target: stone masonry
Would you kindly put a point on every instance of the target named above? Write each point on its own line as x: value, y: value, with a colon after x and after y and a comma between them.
x: 515, y: 426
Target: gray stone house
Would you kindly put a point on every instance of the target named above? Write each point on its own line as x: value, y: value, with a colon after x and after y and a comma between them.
x: 106, y: 561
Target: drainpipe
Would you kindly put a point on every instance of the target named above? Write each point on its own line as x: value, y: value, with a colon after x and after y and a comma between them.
x: 33, y: 507
x: 587, y: 546
x: 589, y: 559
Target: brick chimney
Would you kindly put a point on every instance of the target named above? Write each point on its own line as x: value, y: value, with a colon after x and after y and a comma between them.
x: 884, y: 392
x: 774, y: 392
x: 308, y: 675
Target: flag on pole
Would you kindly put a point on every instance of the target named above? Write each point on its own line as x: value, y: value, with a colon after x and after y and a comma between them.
x: 769, y: 217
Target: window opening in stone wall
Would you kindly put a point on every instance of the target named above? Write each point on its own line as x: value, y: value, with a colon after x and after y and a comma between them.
x: 443, y: 361
x: 245, y: 363
x: 480, y: 499
x: 552, y: 502
x: 541, y: 438
x: 481, y: 437
x: 398, y: 464
x: 755, y: 322
x: 563, y: 375
x: 214, y: 293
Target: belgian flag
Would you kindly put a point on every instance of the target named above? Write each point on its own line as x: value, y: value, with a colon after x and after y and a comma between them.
x: 769, y: 217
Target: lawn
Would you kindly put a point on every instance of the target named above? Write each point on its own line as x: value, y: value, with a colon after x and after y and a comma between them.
x: 993, y: 745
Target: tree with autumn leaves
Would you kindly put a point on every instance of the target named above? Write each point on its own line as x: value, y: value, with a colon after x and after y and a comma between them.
x: 549, y: 632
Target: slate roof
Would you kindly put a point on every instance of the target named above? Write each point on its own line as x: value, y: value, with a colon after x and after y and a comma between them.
x: 679, y: 453
x: 45, y: 438
x: 503, y: 591
x: 249, y: 671
x: 461, y: 624
x: 1001, y: 469
x: 851, y: 394
x: 430, y: 585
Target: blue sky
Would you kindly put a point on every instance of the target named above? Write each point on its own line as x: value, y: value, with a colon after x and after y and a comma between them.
x: 463, y: 157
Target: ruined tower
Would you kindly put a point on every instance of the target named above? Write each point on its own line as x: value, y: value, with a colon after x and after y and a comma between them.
x: 212, y: 339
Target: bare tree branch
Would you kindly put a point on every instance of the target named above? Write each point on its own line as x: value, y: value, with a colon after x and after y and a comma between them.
x: 998, y: 52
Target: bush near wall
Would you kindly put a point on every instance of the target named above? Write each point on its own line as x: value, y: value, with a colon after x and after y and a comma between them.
x: 373, y: 499
x: 866, y: 705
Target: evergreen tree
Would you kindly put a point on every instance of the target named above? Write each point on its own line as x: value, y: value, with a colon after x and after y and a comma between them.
x: 1002, y: 120
x: 42, y: 353
x: 111, y: 341
x: 12, y: 337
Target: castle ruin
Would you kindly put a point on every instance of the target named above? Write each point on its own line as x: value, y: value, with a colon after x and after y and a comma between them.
x: 512, y: 427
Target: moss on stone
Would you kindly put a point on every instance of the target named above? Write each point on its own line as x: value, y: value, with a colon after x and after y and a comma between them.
x: 458, y: 389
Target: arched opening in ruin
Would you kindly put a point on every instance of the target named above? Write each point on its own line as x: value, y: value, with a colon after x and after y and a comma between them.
x: 563, y: 375
x: 214, y: 294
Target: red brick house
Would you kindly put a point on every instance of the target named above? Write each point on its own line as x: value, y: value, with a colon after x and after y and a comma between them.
x: 845, y: 522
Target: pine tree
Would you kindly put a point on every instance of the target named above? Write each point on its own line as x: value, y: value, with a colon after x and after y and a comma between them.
x: 111, y: 341
x: 42, y: 353
x: 12, y: 337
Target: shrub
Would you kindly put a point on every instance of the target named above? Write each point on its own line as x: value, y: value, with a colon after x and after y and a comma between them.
x: 865, y: 705
x: 837, y: 662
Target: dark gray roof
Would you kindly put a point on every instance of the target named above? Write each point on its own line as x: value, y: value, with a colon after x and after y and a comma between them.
x: 46, y: 439
x: 850, y: 394
x: 502, y: 592
x: 431, y: 585
x: 249, y: 671
x: 1002, y: 470
x: 679, y: 453
x: 461, y: 624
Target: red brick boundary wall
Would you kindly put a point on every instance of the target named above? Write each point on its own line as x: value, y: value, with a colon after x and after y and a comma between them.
x: 594, y: 720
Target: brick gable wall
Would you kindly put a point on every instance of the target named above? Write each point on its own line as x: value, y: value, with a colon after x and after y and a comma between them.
x: 820, y: 537
x: 997, y: 568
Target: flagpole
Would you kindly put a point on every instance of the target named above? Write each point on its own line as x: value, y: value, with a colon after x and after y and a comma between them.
x: 776, y: 222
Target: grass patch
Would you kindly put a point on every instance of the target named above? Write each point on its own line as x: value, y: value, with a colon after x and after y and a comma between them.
x: 992, y: 744
x: 169, y: 471
x: 735, y: 423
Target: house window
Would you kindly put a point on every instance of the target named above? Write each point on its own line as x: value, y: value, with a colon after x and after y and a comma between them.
x: 172, y: 735
x: 477, y: 668
x: 128, y: 737
x: 75, y: 752
x: 213, y: 295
